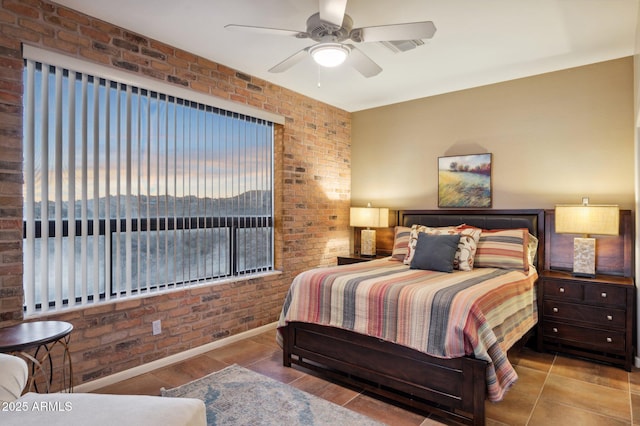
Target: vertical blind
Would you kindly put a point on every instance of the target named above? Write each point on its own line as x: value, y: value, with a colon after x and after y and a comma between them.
x: 131, y: 191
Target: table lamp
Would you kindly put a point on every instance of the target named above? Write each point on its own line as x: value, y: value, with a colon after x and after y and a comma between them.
x: 586, y: 219
x: 368, y: 217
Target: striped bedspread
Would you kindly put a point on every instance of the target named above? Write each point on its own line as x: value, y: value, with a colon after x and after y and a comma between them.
x: 481, y: 312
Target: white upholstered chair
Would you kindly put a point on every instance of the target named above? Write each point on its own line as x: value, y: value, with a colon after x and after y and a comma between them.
x: 71, y: 409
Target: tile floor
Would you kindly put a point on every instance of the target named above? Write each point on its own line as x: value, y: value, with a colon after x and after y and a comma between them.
x: 551, y: 390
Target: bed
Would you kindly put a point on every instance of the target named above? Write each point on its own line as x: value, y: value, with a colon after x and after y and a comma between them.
x: 448, y: 360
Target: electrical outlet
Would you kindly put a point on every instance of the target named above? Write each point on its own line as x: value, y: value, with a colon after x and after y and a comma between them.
x: 156, y: 327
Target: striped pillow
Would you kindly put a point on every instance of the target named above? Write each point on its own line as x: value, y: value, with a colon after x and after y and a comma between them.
x: 503, y: 248
x: 401, y: 243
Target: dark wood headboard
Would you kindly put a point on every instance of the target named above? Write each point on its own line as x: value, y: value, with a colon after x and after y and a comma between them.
x: 532, y: 219
x: 485, y: 219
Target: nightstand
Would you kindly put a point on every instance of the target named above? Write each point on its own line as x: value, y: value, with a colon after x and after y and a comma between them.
x: 588, y: 317
x: 355, y: 258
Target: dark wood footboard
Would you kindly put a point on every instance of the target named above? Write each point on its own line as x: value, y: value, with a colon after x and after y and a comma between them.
x: 452, y: 387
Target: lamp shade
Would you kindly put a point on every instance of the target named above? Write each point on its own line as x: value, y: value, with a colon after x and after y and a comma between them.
x: 369, y: 217
x: 329, y: 54
x: 587, y: 219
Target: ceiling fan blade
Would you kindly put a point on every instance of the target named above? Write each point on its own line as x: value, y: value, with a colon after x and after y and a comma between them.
x: 290, y: 61
x: 332, y: 11
x: 395, y: 32
x: 266, y: 31
x: 362, y: 63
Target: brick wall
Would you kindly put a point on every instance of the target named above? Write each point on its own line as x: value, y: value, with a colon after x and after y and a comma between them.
x: 312, y: 168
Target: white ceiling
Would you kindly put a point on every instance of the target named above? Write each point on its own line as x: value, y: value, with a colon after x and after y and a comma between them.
x: 477, y: 42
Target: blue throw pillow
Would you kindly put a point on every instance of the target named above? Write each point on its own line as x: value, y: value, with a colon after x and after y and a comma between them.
x: 435, y: 252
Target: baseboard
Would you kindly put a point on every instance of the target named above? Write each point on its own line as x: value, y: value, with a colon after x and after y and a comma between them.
x: 172, y: 359
x: 637, y: 361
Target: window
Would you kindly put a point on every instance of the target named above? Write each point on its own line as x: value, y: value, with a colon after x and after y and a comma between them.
x: 133, y: 191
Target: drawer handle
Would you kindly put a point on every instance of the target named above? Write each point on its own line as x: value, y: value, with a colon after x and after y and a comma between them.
x: 603, y: 295
x: 555, y: 330
x: 561, y: 289
x: 609, y: 340
x: 610, y: 317
x: 555, y: 310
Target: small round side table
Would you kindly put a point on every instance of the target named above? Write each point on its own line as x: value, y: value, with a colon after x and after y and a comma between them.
x: 43, y: 336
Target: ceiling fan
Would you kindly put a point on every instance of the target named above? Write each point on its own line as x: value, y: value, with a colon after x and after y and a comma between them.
x: 331, y: 27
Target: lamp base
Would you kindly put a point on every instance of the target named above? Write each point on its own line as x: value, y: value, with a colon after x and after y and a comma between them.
x: 368, y: 243
x: 584, y: 257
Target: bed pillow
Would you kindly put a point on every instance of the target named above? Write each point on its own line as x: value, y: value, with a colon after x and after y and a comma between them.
x: 503, y: 248
x: 435, y: 252
x: 467, y: 247
x: 532, y: 249
x: 465, y: 254
x: 413, y: 239
x: 400, y: 243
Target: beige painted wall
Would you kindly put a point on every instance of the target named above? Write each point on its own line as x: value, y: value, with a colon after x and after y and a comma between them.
x: 555, y: 138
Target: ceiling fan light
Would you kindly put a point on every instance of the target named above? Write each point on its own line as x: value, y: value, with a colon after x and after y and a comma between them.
x: 329, y: 54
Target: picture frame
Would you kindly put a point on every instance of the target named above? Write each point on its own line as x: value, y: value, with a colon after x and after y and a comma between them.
x: 464, y: 181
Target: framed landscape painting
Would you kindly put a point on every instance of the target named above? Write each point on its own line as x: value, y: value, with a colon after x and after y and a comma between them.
x: 464, y: 181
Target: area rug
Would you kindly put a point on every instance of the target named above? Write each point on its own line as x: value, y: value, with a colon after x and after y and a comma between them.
x: 238, y: 396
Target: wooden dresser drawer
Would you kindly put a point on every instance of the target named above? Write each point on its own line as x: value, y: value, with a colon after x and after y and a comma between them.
x: 588, y: 317
x: 600, y: 317
x: 606, y: 295
x: 565, y: 290
x: 605, y: 340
